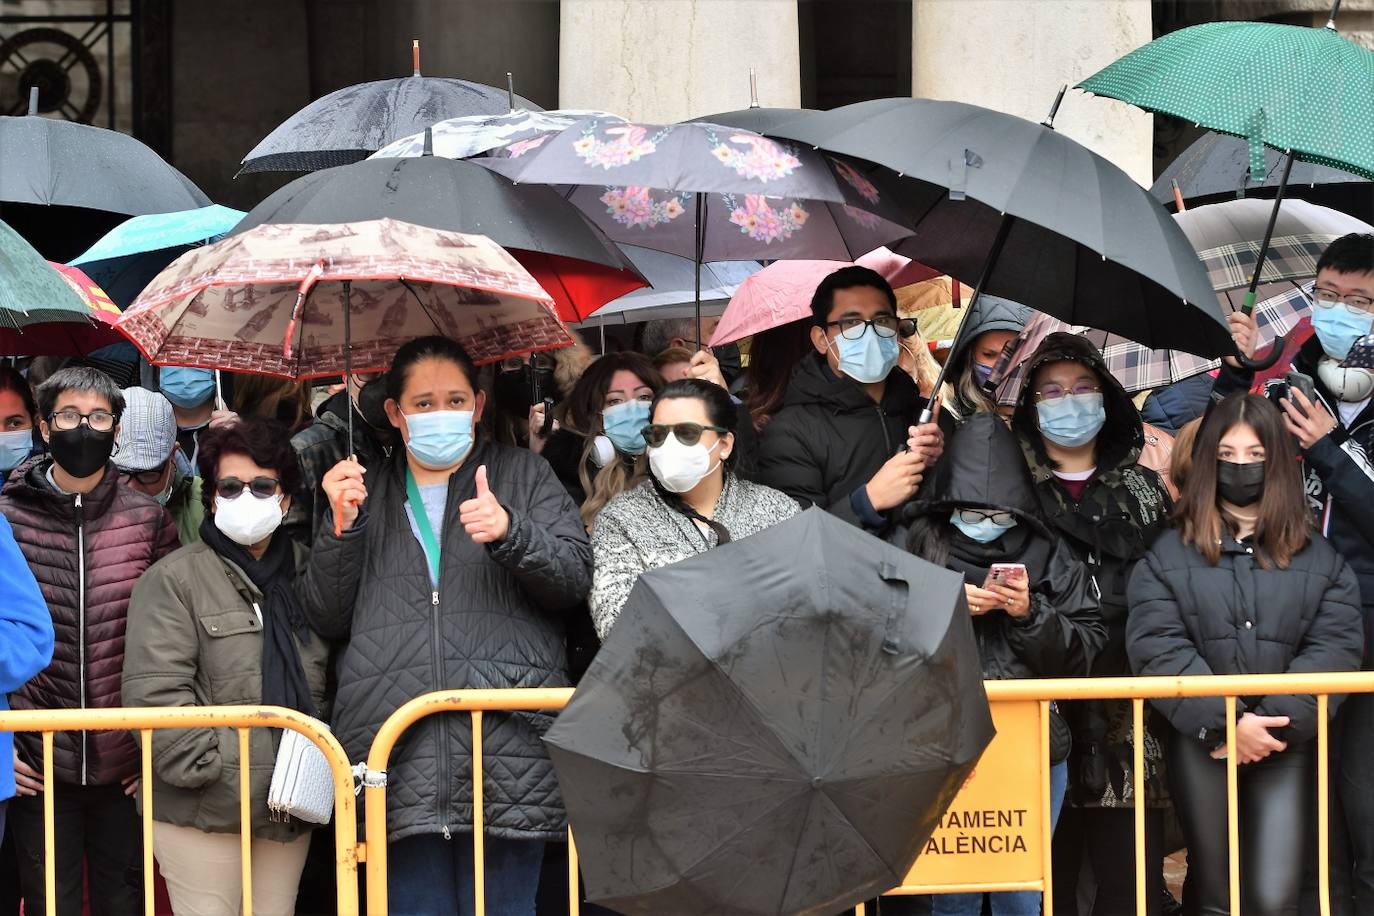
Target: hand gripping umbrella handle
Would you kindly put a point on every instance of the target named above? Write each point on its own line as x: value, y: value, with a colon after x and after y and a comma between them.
x: 1248, y: 305
x: 1260, y: 363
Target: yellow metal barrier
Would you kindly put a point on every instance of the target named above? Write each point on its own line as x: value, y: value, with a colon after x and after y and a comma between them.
x: 1137, y: 690
x: 241, y: 718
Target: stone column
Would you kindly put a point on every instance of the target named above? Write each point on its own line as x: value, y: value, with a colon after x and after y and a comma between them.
x: 1015, y: 56
x: 668, y: 60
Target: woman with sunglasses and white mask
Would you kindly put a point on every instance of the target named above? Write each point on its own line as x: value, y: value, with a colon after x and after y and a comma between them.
x: 1081, y: 436
x: 219, y: 623
x: 1031, y: 600
x: 692, y: 501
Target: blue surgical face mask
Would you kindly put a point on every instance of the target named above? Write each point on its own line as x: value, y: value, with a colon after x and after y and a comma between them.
x: 984, y: 532
x: 868, y: 359
x: 186, y: 387
x: 624, y: 425
x: 15, y: 447
x: 440, y: 438
x: 982, y: 373
x: 1338, y: 328
x: 1072, y: 420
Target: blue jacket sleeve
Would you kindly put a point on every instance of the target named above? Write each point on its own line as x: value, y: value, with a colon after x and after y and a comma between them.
x: 26, y: 634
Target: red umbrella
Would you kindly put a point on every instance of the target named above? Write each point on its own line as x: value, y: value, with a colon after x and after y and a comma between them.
x: 578, y: 287
x: 77, y: 336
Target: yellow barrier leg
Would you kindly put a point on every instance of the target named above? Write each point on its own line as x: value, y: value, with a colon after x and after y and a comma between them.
x: 575, y: 878
x: 49, y: 829
x: 246, y: 820
x: 1138, y: 781
x: 1323, y: 816
x: 479, y: 864
x: 1232, y: 807
x: 1046, y: 828
x: 149, y: 896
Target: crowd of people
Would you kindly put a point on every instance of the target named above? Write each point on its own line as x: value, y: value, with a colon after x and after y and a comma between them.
x: 196, y: 541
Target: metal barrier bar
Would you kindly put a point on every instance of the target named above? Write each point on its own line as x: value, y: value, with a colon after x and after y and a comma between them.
x: 145, y: 741
x: 479, y: 860
x: 144, y: 721
x: 1138, y: 790
x: 575, y: 879
x: 1046, y: 828
x: 246, y: 820
x: 1232, y: 808
x: 1323, y: 799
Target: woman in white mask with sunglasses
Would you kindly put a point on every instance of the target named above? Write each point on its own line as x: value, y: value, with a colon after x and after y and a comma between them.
x: 692, y: 501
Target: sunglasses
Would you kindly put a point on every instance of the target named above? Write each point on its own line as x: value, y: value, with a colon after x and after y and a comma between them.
x: 148, y: 478
x: 974, y: 516
x: 655, y: 434
x: 261, y: 487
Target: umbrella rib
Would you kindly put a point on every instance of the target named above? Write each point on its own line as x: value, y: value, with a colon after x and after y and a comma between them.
x: 424, y: 308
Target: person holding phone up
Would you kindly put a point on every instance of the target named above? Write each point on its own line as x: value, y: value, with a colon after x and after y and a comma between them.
x: 1034, y: 612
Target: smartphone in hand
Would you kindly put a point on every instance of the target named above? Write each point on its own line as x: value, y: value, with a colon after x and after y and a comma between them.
x: 1005, y: 574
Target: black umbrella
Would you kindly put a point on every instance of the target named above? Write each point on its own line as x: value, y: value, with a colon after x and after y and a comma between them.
x: 64, y: 184
x: 1216, y: 168
x: 759, y: 120
x: 352, y: 123
x: 775, y: 726
x: 1033, y: 216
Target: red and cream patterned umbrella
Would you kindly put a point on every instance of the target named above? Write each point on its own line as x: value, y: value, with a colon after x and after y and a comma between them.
x: 284, y: 299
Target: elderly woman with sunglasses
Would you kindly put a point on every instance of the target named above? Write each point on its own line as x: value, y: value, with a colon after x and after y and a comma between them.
x: 218, y: 623
x: 692, y: 500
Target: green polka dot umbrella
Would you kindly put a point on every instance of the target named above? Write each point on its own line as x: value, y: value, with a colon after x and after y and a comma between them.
x: 1308, y: 90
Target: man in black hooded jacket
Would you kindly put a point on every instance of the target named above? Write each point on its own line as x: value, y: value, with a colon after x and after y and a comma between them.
x: 845, y: 438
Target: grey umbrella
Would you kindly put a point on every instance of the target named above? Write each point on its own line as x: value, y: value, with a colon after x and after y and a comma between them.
x: 352, y: 123
x: 1216, y: 168
x: 775, y: 726
x: 759, y: 120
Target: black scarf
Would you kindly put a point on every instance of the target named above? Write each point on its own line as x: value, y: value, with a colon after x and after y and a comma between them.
x: 1018, y: 545
x: 283, y: 677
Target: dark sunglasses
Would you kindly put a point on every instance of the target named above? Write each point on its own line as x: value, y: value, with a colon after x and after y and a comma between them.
x: 148, y: 478
x: 655, y: 434
x: 261, y: 487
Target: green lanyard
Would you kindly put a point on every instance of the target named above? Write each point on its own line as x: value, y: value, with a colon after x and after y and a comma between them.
x: 417, y: 506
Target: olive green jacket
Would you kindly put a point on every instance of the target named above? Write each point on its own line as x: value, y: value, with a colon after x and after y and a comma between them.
x: 186, y: 508
x: 194, y: 639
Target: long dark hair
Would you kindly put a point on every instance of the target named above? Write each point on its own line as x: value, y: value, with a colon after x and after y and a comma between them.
x: 773, y: 354
x: 1284, y: 525
x: 583, y: 417
x: 720, y: 410
x: 432, y: 347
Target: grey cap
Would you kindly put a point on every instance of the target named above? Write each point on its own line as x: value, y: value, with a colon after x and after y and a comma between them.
x: 147, y: 431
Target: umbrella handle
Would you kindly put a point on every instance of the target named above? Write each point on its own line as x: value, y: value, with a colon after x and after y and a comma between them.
x: 1260, y: 363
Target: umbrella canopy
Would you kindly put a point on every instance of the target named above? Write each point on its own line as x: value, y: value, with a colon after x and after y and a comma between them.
x: 572, y: 260
x: 278, y: 300
x: 1216, y: 168
x: 776, y: 295
x: 1289, y: 87
x: 461, y: 138
x: 759, y: 120
x: 746, y: 740
x: 1078, y: 238
x: 48, y: 309
x: 352, y: 123
x: 127, y: 257
x: 672, y: 284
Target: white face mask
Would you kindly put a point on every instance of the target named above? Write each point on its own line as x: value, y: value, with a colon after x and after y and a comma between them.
x: 681, y: 467
x: 246, y: 519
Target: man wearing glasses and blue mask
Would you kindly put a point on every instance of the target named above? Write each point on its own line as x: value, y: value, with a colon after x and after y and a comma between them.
x: 844, y: 439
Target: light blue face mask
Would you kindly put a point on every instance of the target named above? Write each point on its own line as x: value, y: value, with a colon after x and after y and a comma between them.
x: 868, y: 359
x: 624, y: 425
x: 982, y: 373
x: 440, y: 438
x: 15, y: 446
x: 186, y: 387
x: 1072, y: 420
x: 1337, y: 328
x: 984, y: 532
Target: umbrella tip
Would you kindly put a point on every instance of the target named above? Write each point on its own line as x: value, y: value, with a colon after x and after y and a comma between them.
x: 753, y: 88
x: 1054, y: 109
x: 33, y: 100
x: 510, y: 90
x: 1335, y: 11
x: 429, y: 142
x: 415, y: 56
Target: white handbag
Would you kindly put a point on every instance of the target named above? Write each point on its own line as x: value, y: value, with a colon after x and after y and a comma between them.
x: 302, y: 783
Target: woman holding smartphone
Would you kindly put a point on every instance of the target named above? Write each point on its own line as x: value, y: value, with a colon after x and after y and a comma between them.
x: 1034, y: 613
x: 1243, y: 585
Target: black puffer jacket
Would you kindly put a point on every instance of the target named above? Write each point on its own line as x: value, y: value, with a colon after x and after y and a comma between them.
x: 496, y: 620
x: 829, y: 439
x: 1188, y: 617
x: 982, y: 467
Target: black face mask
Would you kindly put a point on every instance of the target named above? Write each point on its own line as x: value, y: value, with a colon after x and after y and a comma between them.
x: 372, y: 403
x: 1240, y: 484
x: 81, y: 451
x: 516, y: 389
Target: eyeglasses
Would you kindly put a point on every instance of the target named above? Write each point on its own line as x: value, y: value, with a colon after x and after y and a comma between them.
x: 102, y: 421
x: 1051, y: 391
x: 655, y: 434
x: 974, y: 516
x: 883, y: 326
x: 261, y: 487
x: 147, y: 478
x: 1356, y: 305
x: 538, y: 360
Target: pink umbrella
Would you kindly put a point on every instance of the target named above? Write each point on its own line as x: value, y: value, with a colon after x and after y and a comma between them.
x: 897, y: 270
x: 774, y: 296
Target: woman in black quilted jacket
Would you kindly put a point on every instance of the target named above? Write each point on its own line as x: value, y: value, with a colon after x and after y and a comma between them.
x: 450, y: 566
x: 1243, y: 586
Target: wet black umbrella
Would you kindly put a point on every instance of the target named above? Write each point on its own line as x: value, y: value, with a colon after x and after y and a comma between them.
x: 775, y: 726
x: 64, y: 184
x: 759, y: 120
x: 352, y: 123
x: 1216, y: 168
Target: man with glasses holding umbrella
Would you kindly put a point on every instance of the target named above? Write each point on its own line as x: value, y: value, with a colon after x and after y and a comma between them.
x: 844, y: 439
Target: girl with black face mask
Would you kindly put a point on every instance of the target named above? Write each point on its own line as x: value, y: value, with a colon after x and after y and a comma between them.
x: 1243, y: 585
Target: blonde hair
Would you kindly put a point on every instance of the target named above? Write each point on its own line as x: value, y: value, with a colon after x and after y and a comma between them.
x: 610, y: 481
